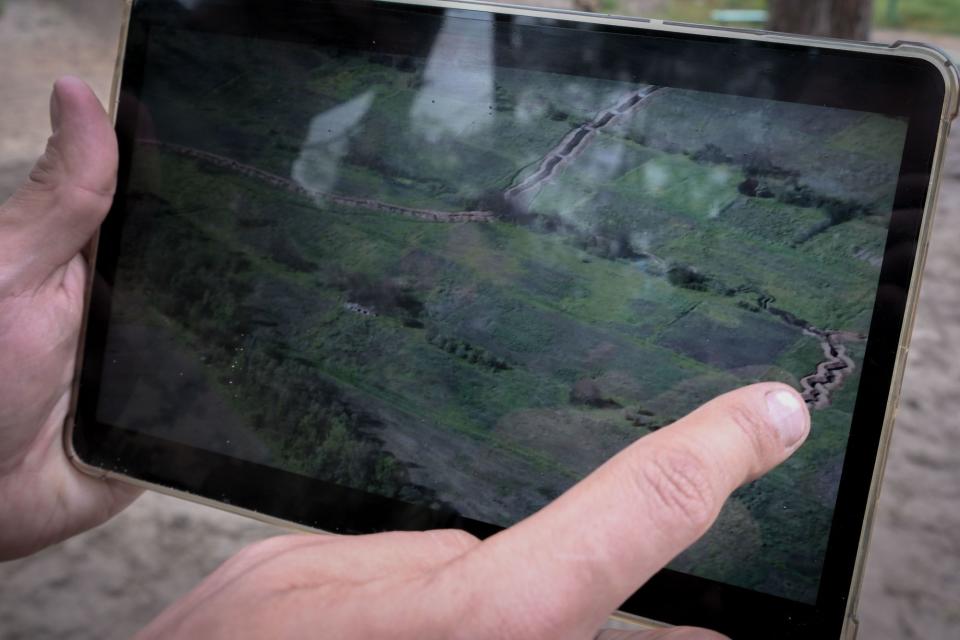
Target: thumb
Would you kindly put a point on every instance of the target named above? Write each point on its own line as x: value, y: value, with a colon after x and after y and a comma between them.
x: 54, y: 214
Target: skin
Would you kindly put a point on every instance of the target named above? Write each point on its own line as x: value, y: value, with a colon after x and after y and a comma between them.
x: 42, y: 278
x: 557, y: 574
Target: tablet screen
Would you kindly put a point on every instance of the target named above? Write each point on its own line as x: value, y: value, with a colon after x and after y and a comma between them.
x: 457, y: 276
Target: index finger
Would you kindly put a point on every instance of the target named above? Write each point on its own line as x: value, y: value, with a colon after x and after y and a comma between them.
x: 567, y: 567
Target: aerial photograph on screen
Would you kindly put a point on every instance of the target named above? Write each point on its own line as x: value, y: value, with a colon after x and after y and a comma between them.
x: 465, y: 286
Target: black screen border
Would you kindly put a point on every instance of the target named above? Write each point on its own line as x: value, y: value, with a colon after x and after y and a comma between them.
x: 670, y: 596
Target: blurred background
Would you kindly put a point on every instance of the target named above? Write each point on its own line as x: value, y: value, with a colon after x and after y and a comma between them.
x: 111, y: 581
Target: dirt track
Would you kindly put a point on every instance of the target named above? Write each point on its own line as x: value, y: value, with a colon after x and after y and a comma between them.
x: 287, y: 184
x: 108, y: 582
x: 830, y: 372
x: 574, y: 143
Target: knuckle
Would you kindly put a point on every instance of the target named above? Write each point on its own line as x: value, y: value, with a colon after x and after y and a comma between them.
x: 454, y: 541
x: 679, y: 483
x: 84, y: 199
x: 753, y: 427
x: 262, y: 550
x: 44, y: 172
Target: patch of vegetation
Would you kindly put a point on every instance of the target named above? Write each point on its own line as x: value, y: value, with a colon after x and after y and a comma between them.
x: 939, y: 16
x: 701, y: 11
x: 466, y: 351
x: 922, y: 15
x: 585, y: 391
x: 687, y: 277
x: 204, y: 292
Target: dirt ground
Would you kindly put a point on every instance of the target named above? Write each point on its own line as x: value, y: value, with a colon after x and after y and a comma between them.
x: 109, y: 582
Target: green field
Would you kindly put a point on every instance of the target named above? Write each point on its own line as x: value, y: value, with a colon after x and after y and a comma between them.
x: 938, y: 16
x: 694, y: 244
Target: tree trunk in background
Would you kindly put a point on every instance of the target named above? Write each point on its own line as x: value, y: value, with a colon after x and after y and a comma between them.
x: 849, y: 19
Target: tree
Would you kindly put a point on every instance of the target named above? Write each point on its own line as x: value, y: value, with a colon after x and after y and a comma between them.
x: 848, y: 19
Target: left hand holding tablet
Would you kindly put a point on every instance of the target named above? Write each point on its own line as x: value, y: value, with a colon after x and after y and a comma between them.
x: 43, y: 498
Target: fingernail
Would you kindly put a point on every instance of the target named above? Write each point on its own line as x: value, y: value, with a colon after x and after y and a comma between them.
x: 788, y: 416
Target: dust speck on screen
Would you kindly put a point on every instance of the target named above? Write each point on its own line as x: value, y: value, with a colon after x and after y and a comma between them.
x: 456, y: 283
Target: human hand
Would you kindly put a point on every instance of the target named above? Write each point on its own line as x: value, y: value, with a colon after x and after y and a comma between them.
x: 43, y: 227
x: 557, y: 574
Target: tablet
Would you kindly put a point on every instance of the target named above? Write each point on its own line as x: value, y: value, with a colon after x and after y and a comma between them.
x: 383, y: 265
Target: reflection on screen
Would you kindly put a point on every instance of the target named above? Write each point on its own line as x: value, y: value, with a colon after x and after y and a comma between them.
x: 466, y: 285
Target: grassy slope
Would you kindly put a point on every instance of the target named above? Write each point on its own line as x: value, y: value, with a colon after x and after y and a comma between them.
x: 553, y: 311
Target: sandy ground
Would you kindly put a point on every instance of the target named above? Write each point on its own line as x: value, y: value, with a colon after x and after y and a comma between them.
x: 109, y: 582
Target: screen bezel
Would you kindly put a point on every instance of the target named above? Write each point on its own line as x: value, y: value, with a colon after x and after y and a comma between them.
x: 670, y: 596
